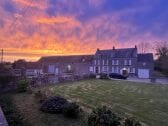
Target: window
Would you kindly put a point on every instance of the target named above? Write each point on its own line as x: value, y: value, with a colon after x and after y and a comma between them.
x: 125, y: 62
x: 104, y: 68
x: 107, y: 62
x: 128, y: 70
x: 130, y: 62
x: 117, y: 62
x: 113, y: 62
x: 132, y: 70
x: 103, y: 62
x: 94, y: 62
x: 116, y: 69
x: 51, y: 69
x: 98, y: 62
x: 112, y: 69
x: 56, y: 71
x: 91, y: 69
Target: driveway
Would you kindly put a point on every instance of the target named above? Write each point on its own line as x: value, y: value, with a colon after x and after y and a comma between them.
x: 163, y: 80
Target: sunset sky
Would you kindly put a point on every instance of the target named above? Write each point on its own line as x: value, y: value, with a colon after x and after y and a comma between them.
x: 30, y: 29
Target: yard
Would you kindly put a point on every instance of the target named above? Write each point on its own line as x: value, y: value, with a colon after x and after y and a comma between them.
x: 146, y: 102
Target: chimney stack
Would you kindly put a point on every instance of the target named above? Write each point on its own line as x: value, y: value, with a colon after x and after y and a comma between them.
x: 135, y: 46
x: 113, y: 47
x: 98, y: 49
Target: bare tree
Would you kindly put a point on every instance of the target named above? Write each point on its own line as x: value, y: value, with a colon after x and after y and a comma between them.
x: 144, y: 47
x: 161, y: 49
x: 161, y: 64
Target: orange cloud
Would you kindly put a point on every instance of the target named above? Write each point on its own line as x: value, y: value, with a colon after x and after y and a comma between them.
x: 68, y: 21
x: 32, y: 3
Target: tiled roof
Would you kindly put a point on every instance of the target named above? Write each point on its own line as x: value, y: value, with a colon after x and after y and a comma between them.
x: 118, y: 53
x: 146, y: 57
x: 33, y: 65
x: 67, y: 59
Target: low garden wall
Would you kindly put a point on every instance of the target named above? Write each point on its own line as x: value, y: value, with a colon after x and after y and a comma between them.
x: 3, y: 121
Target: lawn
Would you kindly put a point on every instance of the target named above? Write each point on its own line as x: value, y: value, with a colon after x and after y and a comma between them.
x: 146, y: 102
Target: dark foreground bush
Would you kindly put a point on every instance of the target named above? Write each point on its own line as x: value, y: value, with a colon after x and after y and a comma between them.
x: 131, y: 122
x: 22, y: 85
x: 103, y: 117
x: 53, y: 105
x: 71, y: 110
x: 13, y: 117
x: 5, y: 80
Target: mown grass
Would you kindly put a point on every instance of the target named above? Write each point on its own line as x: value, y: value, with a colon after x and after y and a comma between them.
x: 147, y: 102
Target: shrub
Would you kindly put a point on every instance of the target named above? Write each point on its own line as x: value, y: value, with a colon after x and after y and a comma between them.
x: 71, y: 110
x: 40, y: 96
x: 103, y: 76
x: 131, y: 122
x: 22, y: 85
x: 53, y: 105
x: 103, y: 117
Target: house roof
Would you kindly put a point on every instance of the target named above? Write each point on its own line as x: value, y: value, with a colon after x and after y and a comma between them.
x: 33, y: 65
x: 146, y: 57
x: 118, y: 53
x: 67, y: 59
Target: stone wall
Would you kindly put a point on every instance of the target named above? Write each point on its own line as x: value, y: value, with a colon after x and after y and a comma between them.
x: 3, y: 121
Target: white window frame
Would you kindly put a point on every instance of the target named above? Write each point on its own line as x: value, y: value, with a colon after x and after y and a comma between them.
x: 91, y: 69
x: 112, y: 69
x: 98, y: 62
x: 56, y: 70
x: 113, y: 63
x: 132, y: 70
x: 125, y: 62
x: 51, y: 69
x: 116, y: 69
x: 117, y: 62
x: 128, y: 69
x: 130, y: 62
x: 95, y: 62
x: 102, y: 62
